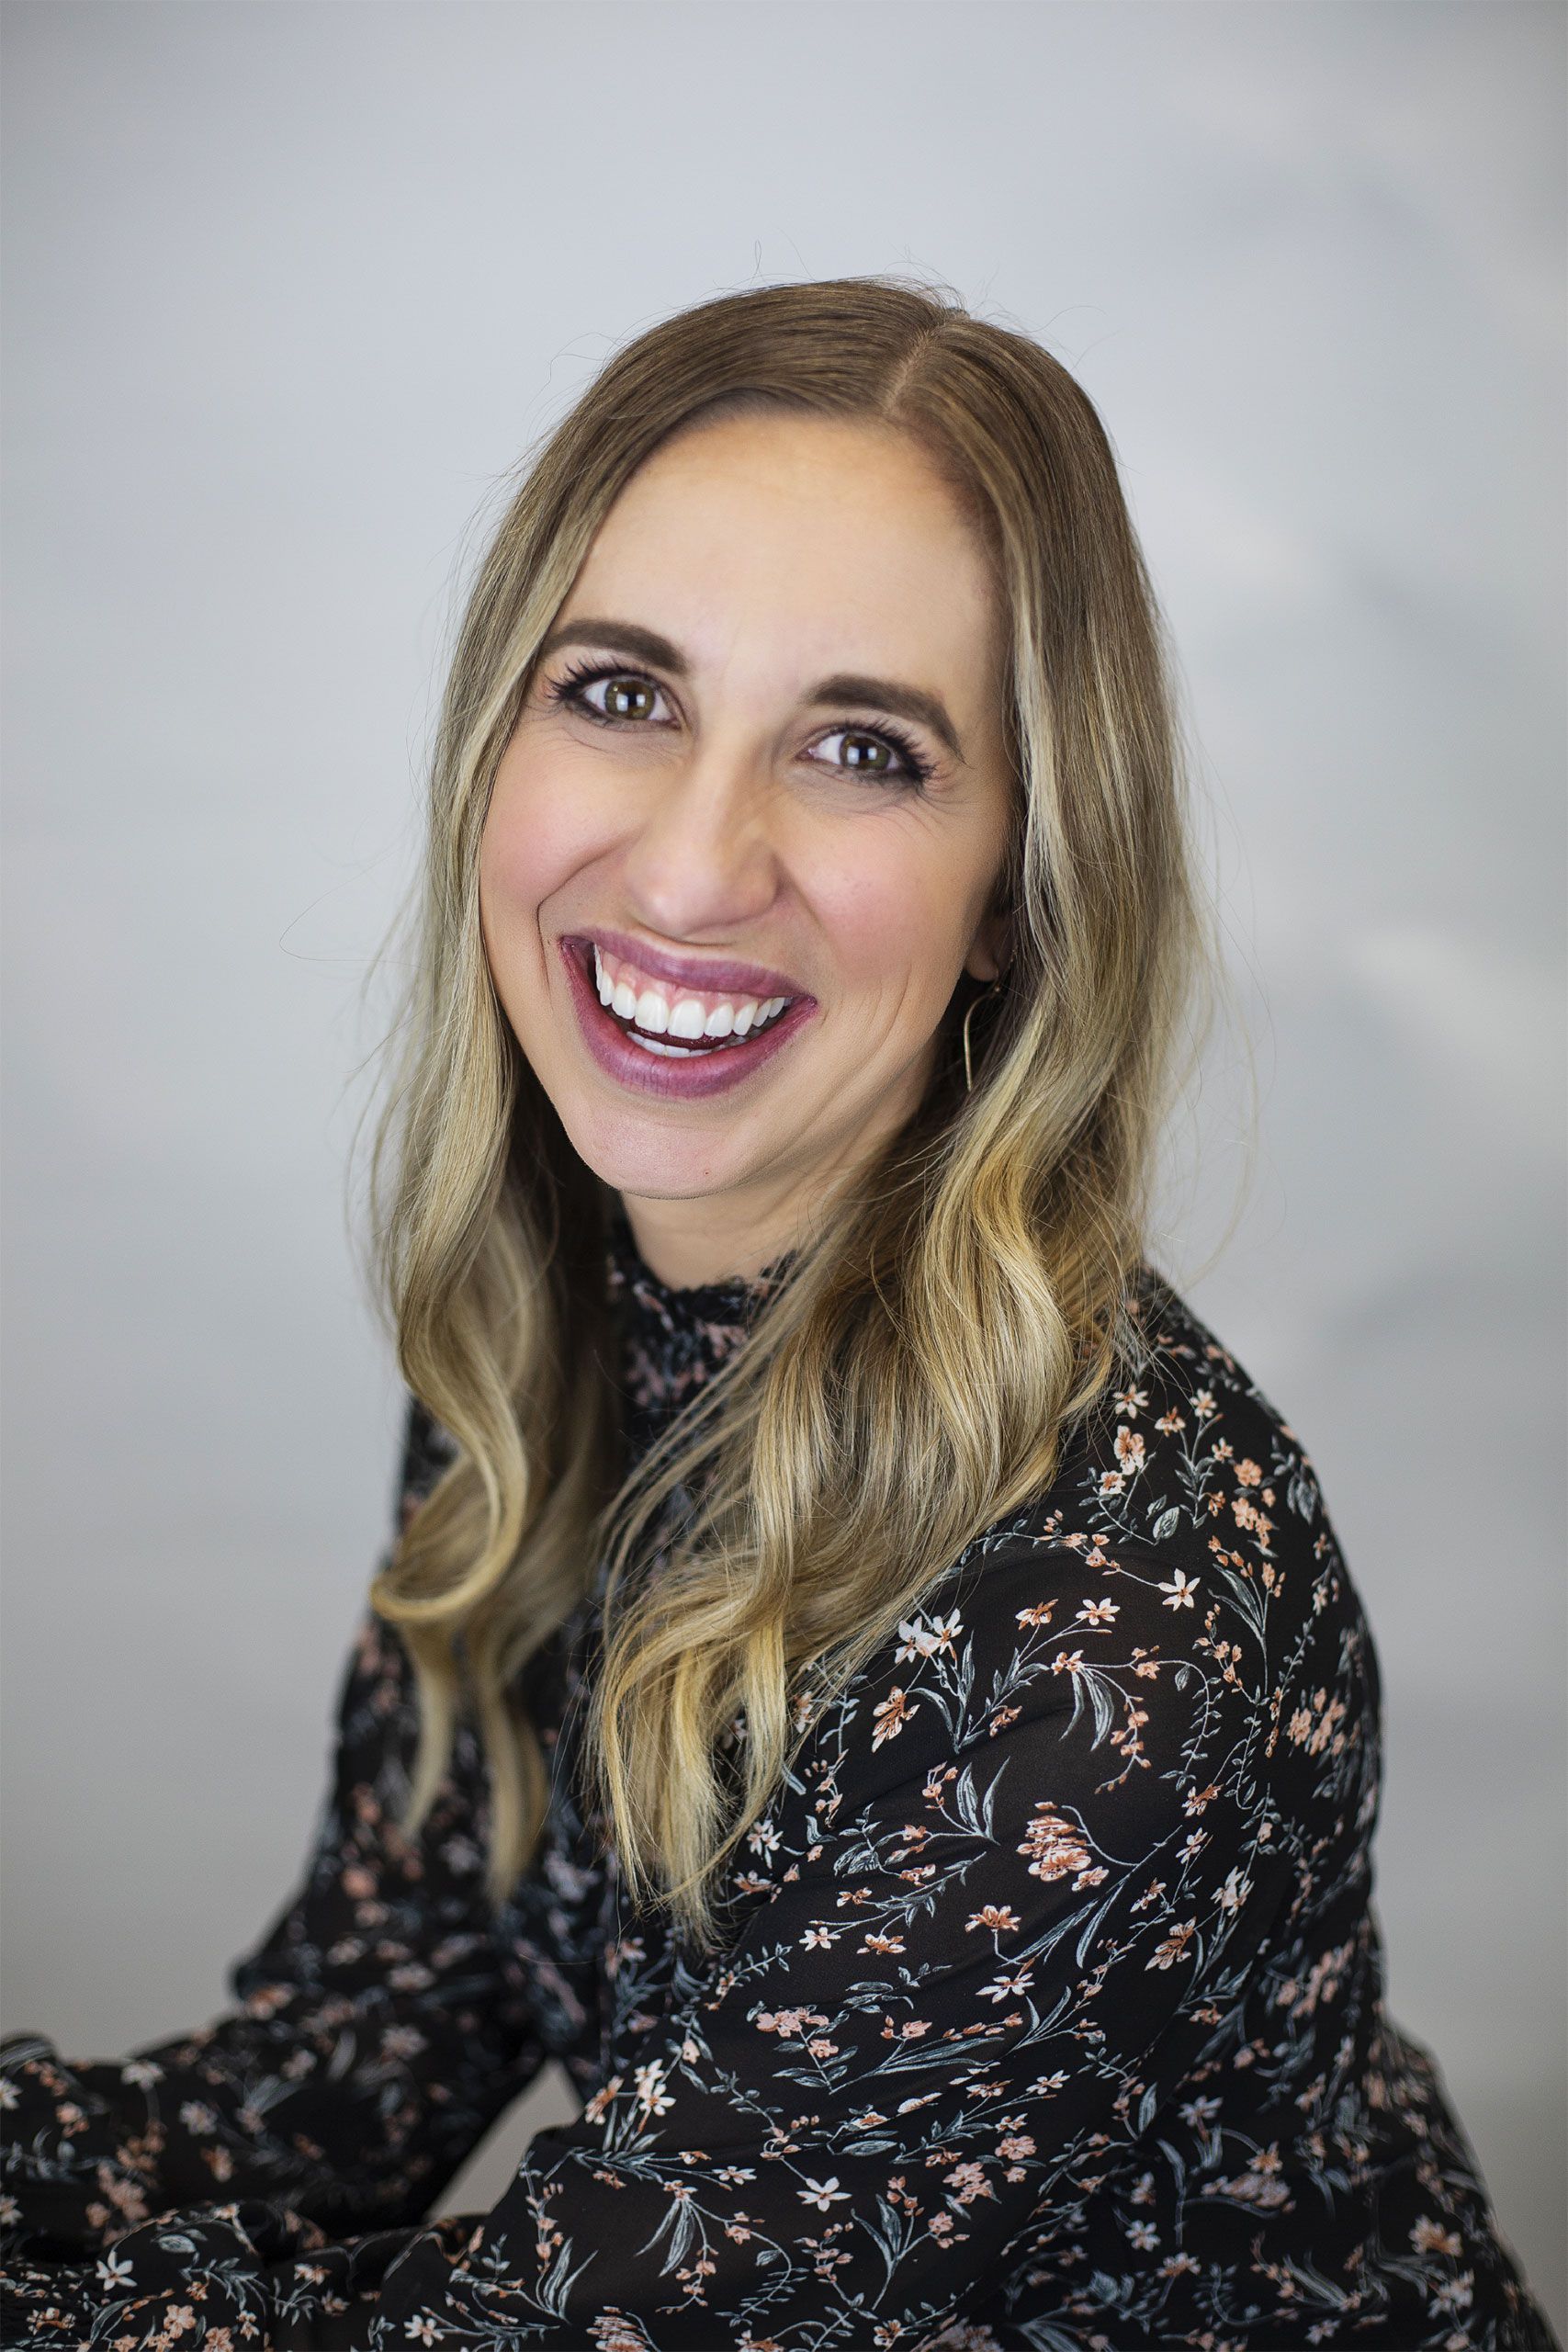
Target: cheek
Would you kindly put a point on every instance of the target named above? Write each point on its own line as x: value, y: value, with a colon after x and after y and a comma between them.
x: 890, y: 918
x: 529, y: 847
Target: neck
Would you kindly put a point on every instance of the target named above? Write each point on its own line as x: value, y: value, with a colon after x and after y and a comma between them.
x: 685, y: 1244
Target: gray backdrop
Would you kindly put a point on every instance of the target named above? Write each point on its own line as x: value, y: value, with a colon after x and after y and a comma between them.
x: 288, y: 289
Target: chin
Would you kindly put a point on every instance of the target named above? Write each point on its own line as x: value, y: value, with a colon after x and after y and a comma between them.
x: 630, y: 1151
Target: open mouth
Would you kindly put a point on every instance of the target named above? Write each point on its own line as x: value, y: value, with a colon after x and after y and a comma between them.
x: 723, y: 1039
x: 660, y: 1041
x: 625, y: 1046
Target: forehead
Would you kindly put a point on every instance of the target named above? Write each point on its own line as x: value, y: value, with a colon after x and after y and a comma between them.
x: 798, y: 543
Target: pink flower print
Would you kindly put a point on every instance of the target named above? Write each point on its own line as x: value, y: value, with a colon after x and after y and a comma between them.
x: 1175, y: 1946
x: 892, y: 1715
x: 1129, y: 1452
x: 1054, y: 1847
x: 1001, y: 1918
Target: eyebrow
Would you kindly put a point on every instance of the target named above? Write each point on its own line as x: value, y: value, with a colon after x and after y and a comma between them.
x: 647, y: 645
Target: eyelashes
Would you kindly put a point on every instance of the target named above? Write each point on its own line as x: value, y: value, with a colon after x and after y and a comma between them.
x: 569, y: 692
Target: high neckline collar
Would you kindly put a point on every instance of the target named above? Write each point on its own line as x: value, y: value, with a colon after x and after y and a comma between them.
x: 733, y: 1299
x: 675, y: 1336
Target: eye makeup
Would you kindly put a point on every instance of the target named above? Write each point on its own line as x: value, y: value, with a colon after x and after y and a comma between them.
x: 569, y: 692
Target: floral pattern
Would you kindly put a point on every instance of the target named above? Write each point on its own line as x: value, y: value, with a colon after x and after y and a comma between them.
x: 1050, y: 2014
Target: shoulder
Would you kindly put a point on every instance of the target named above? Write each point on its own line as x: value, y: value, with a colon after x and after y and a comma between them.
x: 1172, y: 1612
x: 1184, y: 1491
x: 1188, y: 1448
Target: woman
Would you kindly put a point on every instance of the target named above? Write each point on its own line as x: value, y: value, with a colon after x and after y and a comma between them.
x: 862, y: 1674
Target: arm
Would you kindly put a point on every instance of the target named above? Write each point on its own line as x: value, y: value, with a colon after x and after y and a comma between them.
x: 983, y: 1939
x: 381, y: 2024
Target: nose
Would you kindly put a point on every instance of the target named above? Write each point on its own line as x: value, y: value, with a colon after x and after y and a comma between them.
x: 701, y: 854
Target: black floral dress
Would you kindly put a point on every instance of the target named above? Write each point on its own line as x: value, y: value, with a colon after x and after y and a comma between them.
x: 1051, y: 2016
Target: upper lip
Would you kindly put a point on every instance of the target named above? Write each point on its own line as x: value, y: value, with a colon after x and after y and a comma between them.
x: 714, y: 976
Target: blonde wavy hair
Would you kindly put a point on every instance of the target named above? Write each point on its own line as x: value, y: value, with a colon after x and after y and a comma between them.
x: 955, y: 1312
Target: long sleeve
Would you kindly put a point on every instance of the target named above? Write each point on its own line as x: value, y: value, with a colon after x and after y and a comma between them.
x: 1047, y: 2018
x: 380, y: 2024
x: 1018, y: 1878
x: 1052, y: 2016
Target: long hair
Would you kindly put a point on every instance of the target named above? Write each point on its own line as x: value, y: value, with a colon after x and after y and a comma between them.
x: 955, y: 1311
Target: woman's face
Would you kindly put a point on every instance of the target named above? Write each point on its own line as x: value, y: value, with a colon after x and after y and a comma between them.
x: 765, y: 730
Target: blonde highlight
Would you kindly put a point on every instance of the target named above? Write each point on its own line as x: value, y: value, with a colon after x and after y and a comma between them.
x: 955, y: 1313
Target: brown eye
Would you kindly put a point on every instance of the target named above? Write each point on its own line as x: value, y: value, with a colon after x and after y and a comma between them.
x: 866, y: 755
x: 628, y: 698
x: 877, y: 755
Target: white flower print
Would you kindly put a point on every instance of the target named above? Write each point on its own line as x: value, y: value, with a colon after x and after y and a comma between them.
x: 1099, y: 1612
x: 980, y: 1978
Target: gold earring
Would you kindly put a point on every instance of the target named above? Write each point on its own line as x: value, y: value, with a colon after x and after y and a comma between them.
x: 993, y: 991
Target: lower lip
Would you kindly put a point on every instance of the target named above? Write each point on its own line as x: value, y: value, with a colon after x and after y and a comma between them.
x: 676, y: 1079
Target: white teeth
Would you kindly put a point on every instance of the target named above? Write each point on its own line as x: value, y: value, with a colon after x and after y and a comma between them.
x: 682, y: 1053
x: 686, y: 1018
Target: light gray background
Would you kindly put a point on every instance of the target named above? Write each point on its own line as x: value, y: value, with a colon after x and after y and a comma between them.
x: 288, y: 289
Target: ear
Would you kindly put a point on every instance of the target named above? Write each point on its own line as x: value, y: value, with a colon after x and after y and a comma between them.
x: 990, y: 950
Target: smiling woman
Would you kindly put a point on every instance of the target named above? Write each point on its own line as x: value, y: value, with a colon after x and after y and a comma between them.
x: 730, y: 789
x: 862, y: 1673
